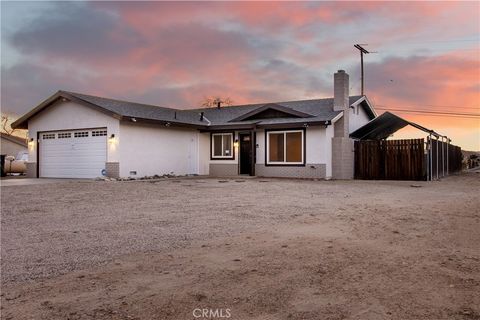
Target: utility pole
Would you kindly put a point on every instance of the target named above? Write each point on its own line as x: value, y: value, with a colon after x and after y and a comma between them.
x: 362, y: 51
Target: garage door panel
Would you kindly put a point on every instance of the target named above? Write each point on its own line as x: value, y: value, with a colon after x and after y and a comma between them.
x: 73, y: 157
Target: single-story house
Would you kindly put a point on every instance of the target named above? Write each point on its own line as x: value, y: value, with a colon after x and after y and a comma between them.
x: 11, y: 145
x: 83, y: 136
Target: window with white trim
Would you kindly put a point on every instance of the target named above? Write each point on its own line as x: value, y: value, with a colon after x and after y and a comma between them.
x: 285, y: 147
x: 98, y: 133
x: 222, y: 145
x: 48, y: 136
x: 64, y: 135
x: 81, y: 134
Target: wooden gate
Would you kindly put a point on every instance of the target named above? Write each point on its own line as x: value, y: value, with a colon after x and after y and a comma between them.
x: 390, y: 159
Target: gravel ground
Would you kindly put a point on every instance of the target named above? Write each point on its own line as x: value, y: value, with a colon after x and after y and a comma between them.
x: 263, y: 248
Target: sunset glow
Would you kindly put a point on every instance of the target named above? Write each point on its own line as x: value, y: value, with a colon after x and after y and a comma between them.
x: 427, y: 55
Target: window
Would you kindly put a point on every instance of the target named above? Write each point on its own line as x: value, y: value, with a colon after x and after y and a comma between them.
x: 81, y: 134
x: 222, y: 146
x: 46, y: 136
x: 64, y: 135
x: 285, y: 147
x: 98, y: 133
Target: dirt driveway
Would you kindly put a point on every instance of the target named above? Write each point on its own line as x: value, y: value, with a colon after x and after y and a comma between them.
x: 242, y: 249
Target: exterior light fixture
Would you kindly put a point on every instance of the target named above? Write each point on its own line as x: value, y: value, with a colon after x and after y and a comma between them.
x: 133, y: 120
x: 31, y: 139
x: 112, y: 136
x: 305, y: 125
x: 167, y: 124
x: 235, y: 144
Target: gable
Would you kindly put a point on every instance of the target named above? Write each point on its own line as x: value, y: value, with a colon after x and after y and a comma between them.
x: 271, y: 111
x: 271, y: 114
x: 63, y: 115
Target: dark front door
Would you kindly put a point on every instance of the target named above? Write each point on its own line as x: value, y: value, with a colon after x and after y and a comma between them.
x: 246, y: 153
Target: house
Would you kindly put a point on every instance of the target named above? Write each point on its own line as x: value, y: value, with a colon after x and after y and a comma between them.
x: 12, y: 145
x: 83, y: 136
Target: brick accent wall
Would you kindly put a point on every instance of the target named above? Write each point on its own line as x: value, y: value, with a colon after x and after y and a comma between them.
x: 222, y: 169
x: 310, y: 170
x: 113, y: 169
x: 31, y: 169
x: 342, y: 158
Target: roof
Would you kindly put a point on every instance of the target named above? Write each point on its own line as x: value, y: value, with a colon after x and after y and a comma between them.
x: 385, y: 125
x: 313, y: 111
x: 18, y: 140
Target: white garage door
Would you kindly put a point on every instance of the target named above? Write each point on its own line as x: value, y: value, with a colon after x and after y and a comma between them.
x: 73, y: 154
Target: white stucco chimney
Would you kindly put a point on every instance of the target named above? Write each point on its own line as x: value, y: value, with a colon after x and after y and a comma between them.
x: 340, y: 91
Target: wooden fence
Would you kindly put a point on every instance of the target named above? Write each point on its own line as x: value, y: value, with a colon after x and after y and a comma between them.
x: 390, y: 159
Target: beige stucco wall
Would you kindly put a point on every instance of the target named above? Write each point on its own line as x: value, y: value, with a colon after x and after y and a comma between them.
x: 68, y: 116
x: 10, y: 148
x: 358, y: 117
x: 318, y: 152
x: 155, y: 149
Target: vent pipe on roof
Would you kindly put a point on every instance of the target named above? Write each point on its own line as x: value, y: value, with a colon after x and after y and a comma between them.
x: 201, y: 116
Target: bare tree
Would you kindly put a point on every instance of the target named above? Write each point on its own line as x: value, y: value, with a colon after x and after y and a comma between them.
x: 214, y: 101
x: 7, y: 129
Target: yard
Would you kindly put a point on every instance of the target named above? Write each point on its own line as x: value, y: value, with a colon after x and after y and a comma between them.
x: 259, y: 248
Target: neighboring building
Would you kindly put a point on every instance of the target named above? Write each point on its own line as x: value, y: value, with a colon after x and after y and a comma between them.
x: 78, y: 135
x: 12, y: 145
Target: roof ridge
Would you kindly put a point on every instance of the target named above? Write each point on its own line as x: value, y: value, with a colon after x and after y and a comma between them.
x: 264, y: 103
x: 117, y: 100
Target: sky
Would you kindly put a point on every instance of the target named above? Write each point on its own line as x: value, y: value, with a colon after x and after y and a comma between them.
x: 174, y: 54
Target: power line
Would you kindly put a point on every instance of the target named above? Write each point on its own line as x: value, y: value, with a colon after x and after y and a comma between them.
x: 435, y: 113
x: 433, y: 106
x: 430, y: 41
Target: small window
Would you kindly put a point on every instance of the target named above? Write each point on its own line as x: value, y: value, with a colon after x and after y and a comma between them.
x: 47, y: 136
x: 81, y: 134
x: 285, y: 147
x: 99, y: 133
x: 64, y: 135
x: 222, y: 146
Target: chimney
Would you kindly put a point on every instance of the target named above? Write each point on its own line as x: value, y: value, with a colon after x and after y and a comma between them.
x: 219, y: 103
x: 340, y: 91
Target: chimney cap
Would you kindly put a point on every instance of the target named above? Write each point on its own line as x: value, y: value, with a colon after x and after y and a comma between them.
x: 341, y: 71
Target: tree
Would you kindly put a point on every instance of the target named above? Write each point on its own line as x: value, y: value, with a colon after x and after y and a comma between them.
x: 7, y: 129
x: 214, y: 101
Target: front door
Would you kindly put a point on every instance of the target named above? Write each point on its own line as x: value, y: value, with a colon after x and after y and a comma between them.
x: 246, y: 153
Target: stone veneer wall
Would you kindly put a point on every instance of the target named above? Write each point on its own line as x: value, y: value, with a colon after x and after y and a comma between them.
x: 31, y: 169
x: 222, y: 169
x: 113, y: 169
x: 310, y: 170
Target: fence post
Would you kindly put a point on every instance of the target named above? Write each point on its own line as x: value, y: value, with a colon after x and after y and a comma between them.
x: 430, y: 146
x: 448, y: 154
x: 436, y: 151
x: 443, y: 158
